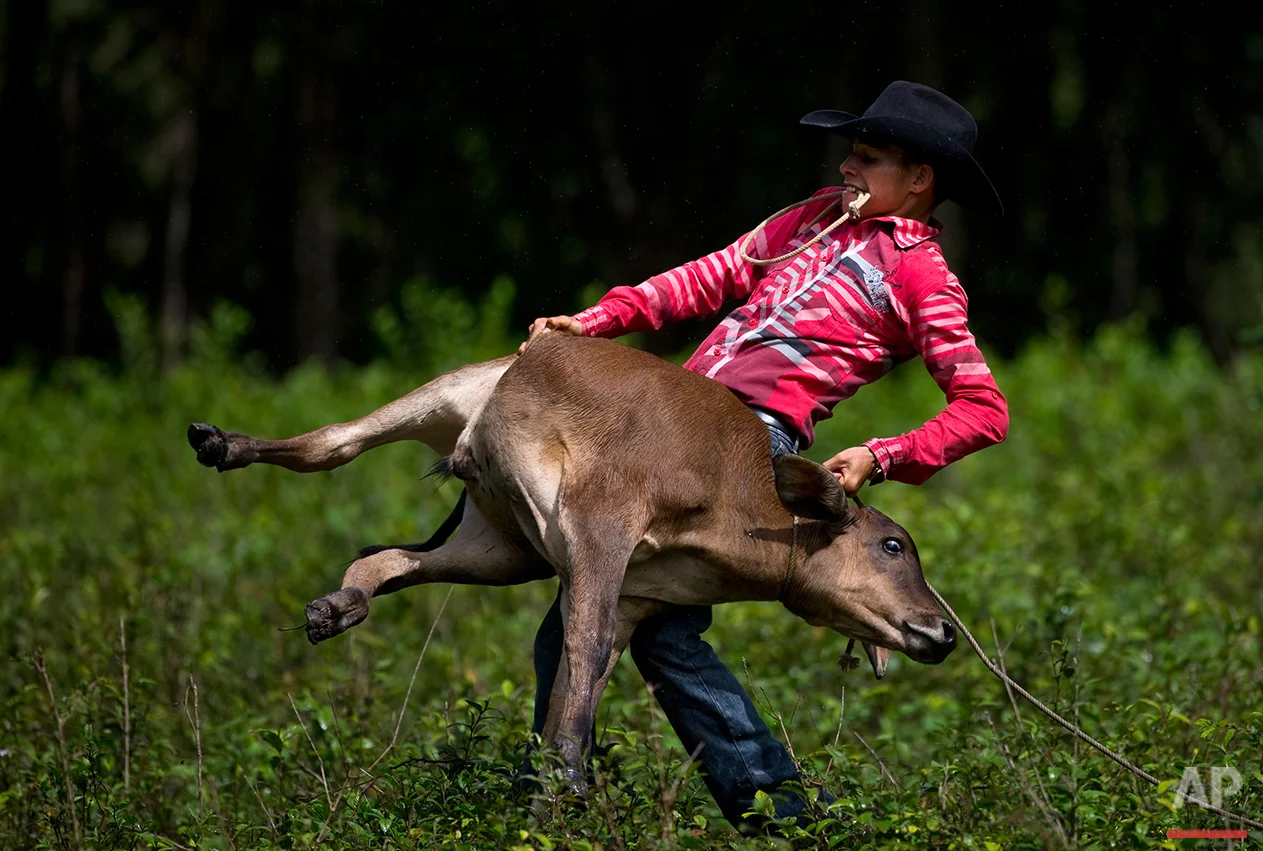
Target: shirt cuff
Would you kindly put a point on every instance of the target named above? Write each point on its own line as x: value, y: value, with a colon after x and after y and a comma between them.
x: 594, y: 320
x: 887, y: 454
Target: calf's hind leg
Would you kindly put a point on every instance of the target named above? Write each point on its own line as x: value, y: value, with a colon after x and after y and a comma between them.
x: 434, y: 414
x: 478, y: 554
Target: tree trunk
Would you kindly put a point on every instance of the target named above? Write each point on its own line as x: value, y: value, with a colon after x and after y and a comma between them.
x: 316, y: 224
x: 1123, y: 214
x: 182, y: 139
x: 72, y: 281
x: 26, y: 176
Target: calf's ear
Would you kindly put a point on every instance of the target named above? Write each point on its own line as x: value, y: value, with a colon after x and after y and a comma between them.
x: 807, y: 489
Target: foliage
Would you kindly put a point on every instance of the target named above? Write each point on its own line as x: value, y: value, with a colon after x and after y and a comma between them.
x: 1112, y: 540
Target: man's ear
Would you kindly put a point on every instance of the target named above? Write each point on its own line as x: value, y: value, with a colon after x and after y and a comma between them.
x: 923, y: 180
x: 807, y: 489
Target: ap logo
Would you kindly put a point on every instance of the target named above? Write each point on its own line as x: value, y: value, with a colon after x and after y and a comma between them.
x: 1191, y: 785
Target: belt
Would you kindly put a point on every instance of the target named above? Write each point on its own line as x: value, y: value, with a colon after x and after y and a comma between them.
x: 777, y: 423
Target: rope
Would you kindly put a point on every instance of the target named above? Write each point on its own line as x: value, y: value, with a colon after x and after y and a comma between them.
x: 783, y: 596
x: 852, y: 212
x: 1139, y: 772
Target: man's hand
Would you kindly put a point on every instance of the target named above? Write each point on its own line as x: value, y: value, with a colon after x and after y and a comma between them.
x: 543, y: 325
x: 852, y: 467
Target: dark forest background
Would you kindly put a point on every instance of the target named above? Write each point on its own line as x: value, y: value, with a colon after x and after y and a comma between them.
x: 318, y: 163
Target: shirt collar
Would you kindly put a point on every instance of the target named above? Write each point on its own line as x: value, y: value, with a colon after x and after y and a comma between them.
x: 908, y: 232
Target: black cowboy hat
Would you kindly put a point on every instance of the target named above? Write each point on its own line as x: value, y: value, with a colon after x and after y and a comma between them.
x: 928, y: 124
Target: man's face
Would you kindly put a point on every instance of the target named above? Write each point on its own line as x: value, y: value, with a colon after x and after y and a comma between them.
x: 897, y: 188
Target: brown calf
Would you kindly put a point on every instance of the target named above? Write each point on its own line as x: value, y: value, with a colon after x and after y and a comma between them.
x: 640, y: 485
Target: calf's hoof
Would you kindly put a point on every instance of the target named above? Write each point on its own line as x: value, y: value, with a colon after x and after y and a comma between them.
x: 211, y: 445
x: 335, y: 614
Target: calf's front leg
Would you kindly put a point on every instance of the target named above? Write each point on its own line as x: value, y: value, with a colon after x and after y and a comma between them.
x: 630, y: 612
x: 593, y: 642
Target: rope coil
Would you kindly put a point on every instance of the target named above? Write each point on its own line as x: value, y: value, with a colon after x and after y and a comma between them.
x: 852, y: 213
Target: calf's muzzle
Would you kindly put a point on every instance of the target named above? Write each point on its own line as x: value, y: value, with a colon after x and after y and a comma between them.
x: 930, y: 644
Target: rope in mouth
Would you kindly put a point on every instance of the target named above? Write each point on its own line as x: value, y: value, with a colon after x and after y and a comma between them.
x: 852, y: 214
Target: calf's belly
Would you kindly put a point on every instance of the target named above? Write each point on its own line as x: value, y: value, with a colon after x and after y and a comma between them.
x: 683, y: 580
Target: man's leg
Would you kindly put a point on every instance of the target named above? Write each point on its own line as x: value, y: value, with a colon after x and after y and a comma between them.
x: 548, y: 649
x: 549, y: 645
x: 707, y: 706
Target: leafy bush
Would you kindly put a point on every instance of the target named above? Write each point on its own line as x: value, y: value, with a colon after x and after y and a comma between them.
x: 1112, y: 540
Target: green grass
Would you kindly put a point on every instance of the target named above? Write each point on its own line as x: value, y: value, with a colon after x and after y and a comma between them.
x: 1113, y: 540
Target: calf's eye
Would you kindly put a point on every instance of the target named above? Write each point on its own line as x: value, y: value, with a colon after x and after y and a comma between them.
x: 893, y: 546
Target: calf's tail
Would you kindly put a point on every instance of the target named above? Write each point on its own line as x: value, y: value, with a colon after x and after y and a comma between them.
x: 438, y: 539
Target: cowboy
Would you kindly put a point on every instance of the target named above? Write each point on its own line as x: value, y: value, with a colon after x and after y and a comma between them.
x: 829, y: 307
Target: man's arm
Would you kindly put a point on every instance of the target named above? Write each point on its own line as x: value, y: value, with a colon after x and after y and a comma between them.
x: 976, y: 415
x: 698, y: 288
x: 695, y: 289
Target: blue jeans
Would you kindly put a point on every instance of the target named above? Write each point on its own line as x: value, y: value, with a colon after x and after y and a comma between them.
x: 782, y: 442
x: 704, y: 702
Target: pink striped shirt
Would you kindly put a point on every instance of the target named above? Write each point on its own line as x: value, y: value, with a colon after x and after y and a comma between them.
x: 817, y: 327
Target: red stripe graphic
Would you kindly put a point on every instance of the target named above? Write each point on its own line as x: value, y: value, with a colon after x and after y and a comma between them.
x: 1175, y: 833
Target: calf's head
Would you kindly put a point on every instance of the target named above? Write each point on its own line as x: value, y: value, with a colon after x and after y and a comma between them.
x: 857, y: 571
